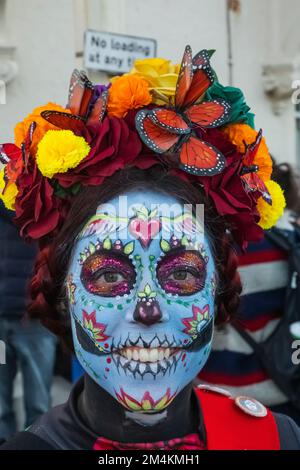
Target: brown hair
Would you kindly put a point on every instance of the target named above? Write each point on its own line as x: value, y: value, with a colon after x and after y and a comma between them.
x: 48, y: 284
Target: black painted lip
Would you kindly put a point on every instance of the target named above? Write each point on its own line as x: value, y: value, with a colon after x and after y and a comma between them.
x: 89, y: 345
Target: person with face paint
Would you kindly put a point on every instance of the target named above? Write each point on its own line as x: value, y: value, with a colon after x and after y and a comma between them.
x: 139, y: 198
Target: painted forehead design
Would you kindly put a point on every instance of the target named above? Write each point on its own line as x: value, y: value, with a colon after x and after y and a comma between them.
x: 146, y: 216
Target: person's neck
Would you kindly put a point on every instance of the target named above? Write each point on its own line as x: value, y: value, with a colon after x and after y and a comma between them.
x: 107, y: 418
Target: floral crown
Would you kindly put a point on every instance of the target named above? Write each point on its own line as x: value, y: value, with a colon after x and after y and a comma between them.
x: 180, y: 117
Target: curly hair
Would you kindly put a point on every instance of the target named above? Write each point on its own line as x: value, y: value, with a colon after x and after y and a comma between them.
x: 47, y: 288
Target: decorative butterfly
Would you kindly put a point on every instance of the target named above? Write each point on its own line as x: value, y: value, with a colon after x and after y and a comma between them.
x: 83, y: 109
x: 171, y: 128
x: 14, y: 158
x: 249, y: 171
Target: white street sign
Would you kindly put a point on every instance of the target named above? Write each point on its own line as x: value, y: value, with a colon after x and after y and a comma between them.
x: 115, y: 53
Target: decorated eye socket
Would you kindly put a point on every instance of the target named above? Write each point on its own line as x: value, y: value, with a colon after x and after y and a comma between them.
x: 182, y: 273
x: 108, y: 275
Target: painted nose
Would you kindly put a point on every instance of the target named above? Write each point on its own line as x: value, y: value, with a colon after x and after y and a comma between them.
x: 147, y: 312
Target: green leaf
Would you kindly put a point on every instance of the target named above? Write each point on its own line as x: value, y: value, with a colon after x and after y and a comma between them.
x: 165, y: 246
x: 147, y: 290
x: 152, y: 295
x: 141, y: 295
x: 153, y: 213
x: 128, y: 249
x: 62, y: 193
x: 141, y: 212
x: 92, y: 248
x: 107, y: 244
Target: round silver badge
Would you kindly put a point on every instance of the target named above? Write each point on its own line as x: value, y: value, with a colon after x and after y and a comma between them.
x: 251, y: 406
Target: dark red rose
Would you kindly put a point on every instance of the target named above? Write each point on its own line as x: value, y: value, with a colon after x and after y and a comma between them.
x: 238, y: 206
x: 113, y: 146
x: 37, y: 212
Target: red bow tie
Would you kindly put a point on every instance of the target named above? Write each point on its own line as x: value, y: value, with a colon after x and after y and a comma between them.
x: 189, y: 442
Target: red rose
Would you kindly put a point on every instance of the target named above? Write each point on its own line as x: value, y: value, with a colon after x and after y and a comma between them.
x: 37, y: 212
x: 232, y: 201
x: 113, y: 146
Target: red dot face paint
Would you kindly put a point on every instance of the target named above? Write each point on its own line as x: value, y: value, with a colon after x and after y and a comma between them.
x: 108, y: 274
x: 182, y: 273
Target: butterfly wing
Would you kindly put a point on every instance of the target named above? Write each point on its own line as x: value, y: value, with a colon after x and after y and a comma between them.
x: 25, y: 146
x: 11, y: 157
x: 252, y: 149
x: 209, y: 114
x: 169, y: 120
x: 201, y: 158
x: 201, y: 59
x: 203, y: 77
x: 81, y: 91
x: 155, y: 137
x: 249, y: 173
x: 9, y: 152
x: 184, y: 78
x: 64, y: 120
x: 99, y: 108
x: 254, y: 183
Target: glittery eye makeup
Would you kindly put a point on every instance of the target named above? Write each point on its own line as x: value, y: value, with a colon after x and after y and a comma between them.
x: 108, y: 274
x: 182, y: 273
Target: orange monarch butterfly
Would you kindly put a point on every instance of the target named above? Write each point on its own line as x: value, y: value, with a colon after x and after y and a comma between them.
x: 249, y: 171
x: 171, y: 128
x: 81, y: 92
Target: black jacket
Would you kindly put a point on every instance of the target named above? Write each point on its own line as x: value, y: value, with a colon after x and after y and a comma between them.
x: 62, y: 428
x: 16, y: 265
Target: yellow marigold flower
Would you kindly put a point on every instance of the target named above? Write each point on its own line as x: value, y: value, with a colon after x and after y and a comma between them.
x: 127, y: 92
x: 239, y: 134
x: 160, y: 74
x: 42, y: 127
x: 269, y: 214
x: 9, y: 194
x: 59, y: 151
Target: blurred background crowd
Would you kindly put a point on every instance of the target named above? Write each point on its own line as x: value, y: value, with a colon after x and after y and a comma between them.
x: 257, y: 46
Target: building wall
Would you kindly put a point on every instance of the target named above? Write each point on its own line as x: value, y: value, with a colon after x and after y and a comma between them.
x: 48, y: 35
x: 43, y: 33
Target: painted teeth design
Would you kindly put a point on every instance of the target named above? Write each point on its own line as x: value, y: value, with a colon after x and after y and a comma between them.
x: 139, y: 342
x: 147, y: 355
x: 142, y: 361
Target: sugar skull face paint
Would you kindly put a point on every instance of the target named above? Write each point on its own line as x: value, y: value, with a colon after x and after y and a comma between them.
x: 141, y: 289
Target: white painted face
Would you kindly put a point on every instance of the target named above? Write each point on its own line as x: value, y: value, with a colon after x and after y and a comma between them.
x: 141, y: 288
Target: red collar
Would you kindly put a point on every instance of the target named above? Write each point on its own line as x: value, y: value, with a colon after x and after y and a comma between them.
x: 189, y: 442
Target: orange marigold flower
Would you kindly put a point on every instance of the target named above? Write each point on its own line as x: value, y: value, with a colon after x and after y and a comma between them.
x: 42, y: 127
x: 241, y: 134
x: 127, y: 92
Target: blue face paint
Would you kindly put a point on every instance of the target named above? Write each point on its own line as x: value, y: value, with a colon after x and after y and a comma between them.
x: 141, y: 287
